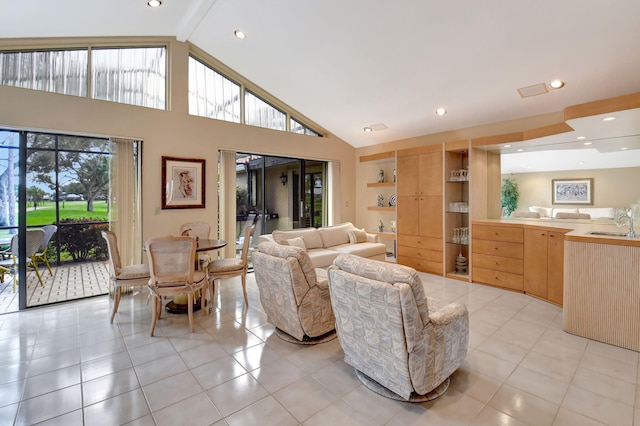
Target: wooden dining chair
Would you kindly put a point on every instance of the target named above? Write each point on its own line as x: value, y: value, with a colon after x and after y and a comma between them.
x: 229, y: 268
x: 198, y: 230
x: 122, y: 276
x: 172, y: 269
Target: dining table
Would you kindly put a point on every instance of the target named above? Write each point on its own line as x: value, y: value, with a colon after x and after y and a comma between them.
x: 179, y: 304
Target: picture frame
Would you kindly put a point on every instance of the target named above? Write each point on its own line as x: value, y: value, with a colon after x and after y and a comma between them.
x: 183, y: 183
x: 572, y: 191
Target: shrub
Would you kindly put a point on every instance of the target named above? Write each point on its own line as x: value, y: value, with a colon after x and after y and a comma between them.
x: 81, y: 238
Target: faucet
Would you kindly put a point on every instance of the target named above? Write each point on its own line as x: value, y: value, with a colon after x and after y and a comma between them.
x: 626, y: 214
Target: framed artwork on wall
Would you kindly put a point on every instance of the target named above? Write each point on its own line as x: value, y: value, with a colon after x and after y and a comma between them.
x: 183, y: 183
x: 572, y: 191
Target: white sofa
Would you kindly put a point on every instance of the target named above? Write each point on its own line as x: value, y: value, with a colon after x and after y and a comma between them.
x: 324, y: 244
x: 594, y: 212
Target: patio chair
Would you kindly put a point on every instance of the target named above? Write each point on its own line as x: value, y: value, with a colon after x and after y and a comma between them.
x: 172, y: 269
x: 229, y: 268
x: 41, y: 255
x: 11, y: 264
x: 122, y: 276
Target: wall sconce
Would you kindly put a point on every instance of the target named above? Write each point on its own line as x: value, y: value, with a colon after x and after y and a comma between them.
x: 283, y: 179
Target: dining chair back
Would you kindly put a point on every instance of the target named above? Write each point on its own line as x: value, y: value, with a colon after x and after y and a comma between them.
x: 122, y: 276
x: 172, y: 269
x: 41, y: 254
x: 229, y: 268
x: 11, y: 264
x: 198, y: 230
x: 251, y: 218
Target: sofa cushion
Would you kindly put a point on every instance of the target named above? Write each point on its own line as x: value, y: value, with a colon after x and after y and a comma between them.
x: 565, y: 210
x: 297, y: 242
x: 335, y: 235
x: 322, y: 258
x: 310, y: 236
x: 362, y: 249
x: 357, y: 236
x: 598, y: 212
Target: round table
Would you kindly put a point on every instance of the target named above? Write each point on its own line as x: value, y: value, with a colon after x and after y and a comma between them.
x: 179, y: 304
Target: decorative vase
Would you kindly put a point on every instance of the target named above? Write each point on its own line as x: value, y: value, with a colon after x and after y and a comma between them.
x: 381, y: 176
x: 380, y: 200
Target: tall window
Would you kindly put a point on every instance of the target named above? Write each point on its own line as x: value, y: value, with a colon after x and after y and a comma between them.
x: 211, y: 94
x: 259, y: 113
x: 134, y: 76
x: 57, y: 71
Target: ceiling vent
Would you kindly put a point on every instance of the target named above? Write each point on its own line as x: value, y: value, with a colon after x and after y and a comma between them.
x: 536, y: 89
x: 377, y: 127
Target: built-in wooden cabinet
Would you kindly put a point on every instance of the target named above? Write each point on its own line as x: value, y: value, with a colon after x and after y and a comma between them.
x: 544, y: 263
x: 498, y: 256
x: 420, y: 208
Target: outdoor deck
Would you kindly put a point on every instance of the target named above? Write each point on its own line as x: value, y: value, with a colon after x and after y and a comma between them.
x: 69, y: 281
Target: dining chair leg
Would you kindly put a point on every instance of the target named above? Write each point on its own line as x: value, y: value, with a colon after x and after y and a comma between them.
x: 244, y: 289
x: 46, y: 262
x: 190, y: 309
x: 203, y: 301
x: 212, y: 290
x: 154, y: 316
x: 39, y: 276
x: 116, y: 302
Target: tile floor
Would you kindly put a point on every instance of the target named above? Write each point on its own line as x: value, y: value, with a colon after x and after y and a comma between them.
x: 66, y: 365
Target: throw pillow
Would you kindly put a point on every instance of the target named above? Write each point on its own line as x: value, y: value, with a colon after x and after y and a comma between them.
x: 297, y: 242
x: 357, y: 236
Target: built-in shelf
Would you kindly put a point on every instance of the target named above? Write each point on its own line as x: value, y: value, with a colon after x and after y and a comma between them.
x: 372, y: 184
x: 385, y: 235
x: 381, y: 209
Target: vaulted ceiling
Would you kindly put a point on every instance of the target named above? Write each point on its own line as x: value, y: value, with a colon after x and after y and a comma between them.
x: 356, y: 63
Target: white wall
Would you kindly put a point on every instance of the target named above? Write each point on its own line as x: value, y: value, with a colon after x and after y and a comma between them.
x: 171, y: 133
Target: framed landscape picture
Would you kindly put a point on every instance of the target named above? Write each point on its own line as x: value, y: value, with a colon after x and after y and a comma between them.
x: 182, y: 183
x: 572, y: 191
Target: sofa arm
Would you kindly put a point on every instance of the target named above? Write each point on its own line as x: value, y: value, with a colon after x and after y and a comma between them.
x: 266, y: 238
x: 372, y: 238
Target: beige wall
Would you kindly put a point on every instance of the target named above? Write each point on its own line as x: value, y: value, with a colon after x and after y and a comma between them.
x: 172, y: 133
x: 611, y: 187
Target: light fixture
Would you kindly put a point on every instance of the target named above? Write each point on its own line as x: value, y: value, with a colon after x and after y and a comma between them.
x: 624, y: 148
x: 581, y: 162
x: 283, y: 179
x: 154, y: 3
x: 580, y: 138
x: 441, y: 111
x: 519, y: 150
x: 588, y: 143
x: 507, y: 146
x: 608, y: 119
x: 240, y: 34
x: 368, y: 129
x: 556, y: 84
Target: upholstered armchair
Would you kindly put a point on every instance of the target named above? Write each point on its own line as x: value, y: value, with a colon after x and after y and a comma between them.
x: 401, y: 345
x: 294, y: 295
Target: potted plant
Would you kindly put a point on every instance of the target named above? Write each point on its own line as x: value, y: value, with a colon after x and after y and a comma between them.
x: 509, y: 195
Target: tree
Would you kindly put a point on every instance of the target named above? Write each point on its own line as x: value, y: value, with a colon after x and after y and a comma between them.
x: 35, y: 195
x: 84, y: 162
x: 509, y: 195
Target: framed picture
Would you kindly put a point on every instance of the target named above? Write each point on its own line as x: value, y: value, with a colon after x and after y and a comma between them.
x: 182, y: 183
x: 572, y: 191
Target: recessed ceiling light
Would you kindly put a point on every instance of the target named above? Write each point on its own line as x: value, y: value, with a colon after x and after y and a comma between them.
x: 507, y: 146
x: 154, y: 3
x: 441, y: 111
x: 240, y: 34
x: 588, y: 143
x: 519, y: 150
x: 368, y: 129
x: 529, y: 166
x: 556, y: 84
x: 580, y: 138
x: 608, y: 119
x: 581, y: 162
x: 624, y: 148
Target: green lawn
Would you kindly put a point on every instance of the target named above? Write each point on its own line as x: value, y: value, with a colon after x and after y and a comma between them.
x: 46, y: 214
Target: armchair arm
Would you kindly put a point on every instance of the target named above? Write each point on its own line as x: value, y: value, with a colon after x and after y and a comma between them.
x: 447, y: 314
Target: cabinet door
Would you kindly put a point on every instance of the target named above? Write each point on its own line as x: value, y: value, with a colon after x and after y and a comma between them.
x: 535, y: 262
x: 555, y: 266
x: 430, y: 177
x: 407, y: 175
x: 430, y: 218
x: 408, y: 214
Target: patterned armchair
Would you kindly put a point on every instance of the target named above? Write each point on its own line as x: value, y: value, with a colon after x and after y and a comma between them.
x: 294, y: 295
x: 401, y: 345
